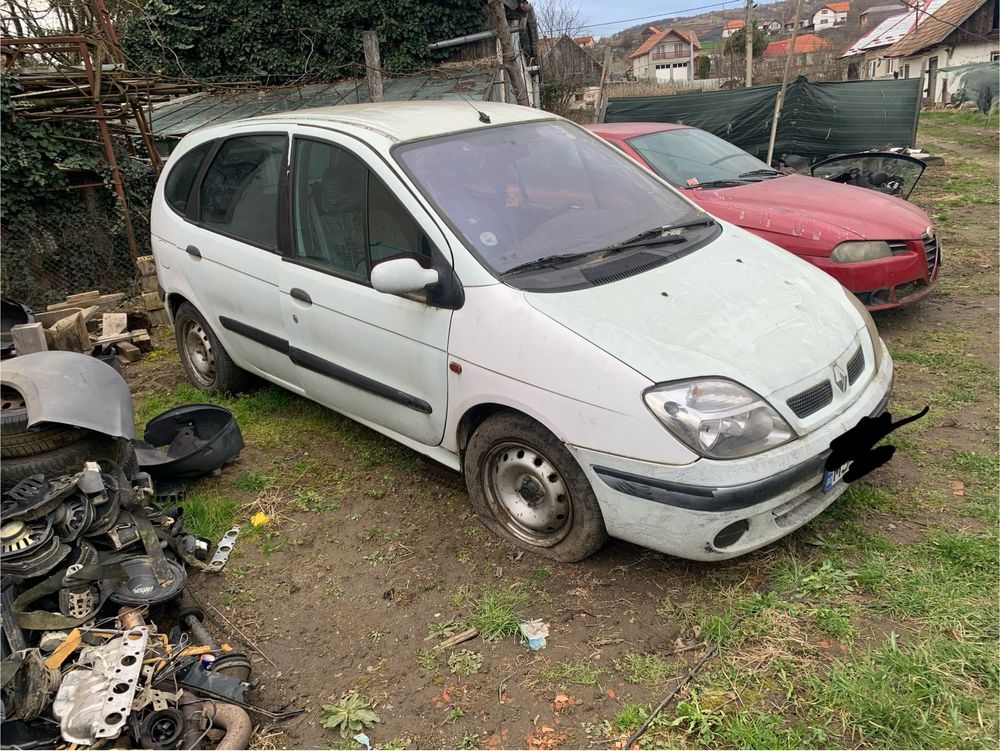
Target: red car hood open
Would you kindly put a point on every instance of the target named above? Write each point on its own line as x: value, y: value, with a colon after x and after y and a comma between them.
x: 816, y: 213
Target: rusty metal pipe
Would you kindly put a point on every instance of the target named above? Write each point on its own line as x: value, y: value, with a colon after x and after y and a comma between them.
x: 234, y: 720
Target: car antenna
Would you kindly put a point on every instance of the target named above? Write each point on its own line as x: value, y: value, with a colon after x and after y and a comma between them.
x: 483, y: 117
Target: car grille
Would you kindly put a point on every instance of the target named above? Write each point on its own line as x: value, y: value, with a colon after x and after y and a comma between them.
x: 931, y: 252
x: 856, y: 366
x: 811, y: 400
x: 898, y: 247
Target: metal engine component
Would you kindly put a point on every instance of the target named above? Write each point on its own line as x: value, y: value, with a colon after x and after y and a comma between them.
x: 43, y: 558
x: 143, y: 588
x: 95, y: 699
x: 233, y: 664
x: 19, y: 538
x: 105, y: 514
x: 50, y: 640
x: 124, y: 532
x: 72, y: 517
x: 161, y: 729
x: 77, y: 600
x: 90, y: 481
x: 225, y: 547
x: 30, y: 690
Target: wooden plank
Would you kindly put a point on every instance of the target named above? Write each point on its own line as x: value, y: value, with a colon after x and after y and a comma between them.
x: 88, y: 313
x: 129, y: 351
x: 55, y: 660
x: 142, y: 340
x: 49, y: 317
x: 28, y: 338
x: 152, y: 301
x: 146, y: 265
x: 158, y: 318
x: 113, y: 324
x: 150, y: 283
x: 104, y: 341
x: 66, y: 334
x: 94, y: 294
x: 104, y: 301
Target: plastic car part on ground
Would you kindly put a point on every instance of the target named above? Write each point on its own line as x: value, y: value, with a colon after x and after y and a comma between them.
x: 70, y: 388
x: 189, y: 441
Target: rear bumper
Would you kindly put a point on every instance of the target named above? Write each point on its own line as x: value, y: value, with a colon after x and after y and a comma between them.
x: 690, y: 511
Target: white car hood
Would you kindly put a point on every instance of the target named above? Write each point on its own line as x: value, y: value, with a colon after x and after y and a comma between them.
x: 739, y: 308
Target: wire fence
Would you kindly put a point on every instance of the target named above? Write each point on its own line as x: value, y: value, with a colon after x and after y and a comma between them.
x: 75, y: 242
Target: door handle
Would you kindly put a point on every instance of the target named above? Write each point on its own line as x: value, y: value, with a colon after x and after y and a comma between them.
x: 192, y: 251
x: 301, y: 295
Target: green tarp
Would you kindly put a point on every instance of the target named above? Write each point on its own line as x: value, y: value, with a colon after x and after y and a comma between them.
x: 817, y: 119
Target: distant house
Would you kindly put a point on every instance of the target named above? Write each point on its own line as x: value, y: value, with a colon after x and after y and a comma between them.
x: 805, y: 47
x: 584, y: 41
x: 958, y: 33
x: 870, y: 15
x: 665, y: 55
x: 731, y: 27
x: 866, y: 56
x: 771, y: 27
x: 562, y: 59
x: 830, y: 15
x: 804, y: 23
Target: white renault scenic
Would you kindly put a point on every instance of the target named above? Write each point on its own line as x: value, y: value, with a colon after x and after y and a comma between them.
x: 509, y: 295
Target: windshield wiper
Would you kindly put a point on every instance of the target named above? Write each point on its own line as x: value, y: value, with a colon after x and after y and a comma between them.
x: 765, y: 171
x: 658, y: 232
x: 546, y: 261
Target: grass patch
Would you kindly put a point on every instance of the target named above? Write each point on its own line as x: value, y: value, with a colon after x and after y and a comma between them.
x: 207, y: 514
x: 644, y: 667
x: 496, y: 612
x: 572, y: 672
x: 254, y: 482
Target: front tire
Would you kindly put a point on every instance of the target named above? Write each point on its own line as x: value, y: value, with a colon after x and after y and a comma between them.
x: 527, y: 488
x: 206, y: 362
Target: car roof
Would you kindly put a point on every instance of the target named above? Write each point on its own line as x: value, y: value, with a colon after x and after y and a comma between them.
x: 408, y: 121
x: 629, y: 130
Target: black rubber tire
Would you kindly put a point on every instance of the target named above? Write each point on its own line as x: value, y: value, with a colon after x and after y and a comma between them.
x: 229, y: 377
x: 587, y: 532
x: 17, y: 439
x: 65, y: 460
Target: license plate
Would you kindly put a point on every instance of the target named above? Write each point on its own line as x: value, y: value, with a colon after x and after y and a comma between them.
x: 833, y: 476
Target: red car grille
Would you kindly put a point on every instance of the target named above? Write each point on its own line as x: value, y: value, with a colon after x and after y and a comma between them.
x: 931, y: 251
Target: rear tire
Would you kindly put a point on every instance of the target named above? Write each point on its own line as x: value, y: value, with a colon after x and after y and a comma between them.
x: 527, y: 488
x: 206, y: 362
x: 68, y: 459
x: 17, y: 439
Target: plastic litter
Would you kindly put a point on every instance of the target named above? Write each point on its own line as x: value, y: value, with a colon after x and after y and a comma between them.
x: 534, y: 633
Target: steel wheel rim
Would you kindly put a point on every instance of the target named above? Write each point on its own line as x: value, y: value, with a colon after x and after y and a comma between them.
x: 198, y: 352
x: 527, y: 494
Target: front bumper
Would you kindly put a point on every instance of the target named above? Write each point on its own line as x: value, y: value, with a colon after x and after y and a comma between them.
x: 682, y: 510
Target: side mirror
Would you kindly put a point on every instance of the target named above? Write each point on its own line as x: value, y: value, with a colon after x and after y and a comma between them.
x: 402, y: 276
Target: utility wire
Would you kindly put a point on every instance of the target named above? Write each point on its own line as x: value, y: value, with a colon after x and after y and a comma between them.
x: 651, y: 18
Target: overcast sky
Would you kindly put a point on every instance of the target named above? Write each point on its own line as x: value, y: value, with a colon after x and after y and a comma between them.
x: 612, y: 15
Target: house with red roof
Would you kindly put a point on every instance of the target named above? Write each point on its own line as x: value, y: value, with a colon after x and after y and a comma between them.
x: 830, y: 15
x: 805, y: 45
x: 732, y: 26
x: 665, y: 55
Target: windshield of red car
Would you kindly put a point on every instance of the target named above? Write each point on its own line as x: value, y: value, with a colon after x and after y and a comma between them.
x: 518, y: 193
x: 688, y: 157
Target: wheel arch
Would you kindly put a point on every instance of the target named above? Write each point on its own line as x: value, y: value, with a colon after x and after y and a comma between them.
x: 477, y: 414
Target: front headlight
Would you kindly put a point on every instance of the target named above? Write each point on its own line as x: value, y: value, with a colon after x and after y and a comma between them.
x: 869, y: 324
x: 718, y: 418
x: 865, y: 250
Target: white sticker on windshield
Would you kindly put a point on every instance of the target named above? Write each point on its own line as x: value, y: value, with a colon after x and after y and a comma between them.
x: 488, y: 238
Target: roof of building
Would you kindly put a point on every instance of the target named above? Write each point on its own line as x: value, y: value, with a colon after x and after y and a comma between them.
x: 178, y: 117
x: 842, y: 7
x: 803, y: 43
x: 935, y: 29
x: 880, y: 9
x: 658, y: 37
x: 891, y: 30
x: 588, y: 39
x: 735, y: 23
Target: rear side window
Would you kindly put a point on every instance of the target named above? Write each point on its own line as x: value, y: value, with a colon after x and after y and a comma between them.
x: 239, y: 193
x: 181, y: 178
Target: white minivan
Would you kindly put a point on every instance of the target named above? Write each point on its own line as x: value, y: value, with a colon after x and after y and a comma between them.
x: 504, y: 292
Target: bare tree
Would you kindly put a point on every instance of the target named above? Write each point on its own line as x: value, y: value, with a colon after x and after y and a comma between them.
x: 558, y: 17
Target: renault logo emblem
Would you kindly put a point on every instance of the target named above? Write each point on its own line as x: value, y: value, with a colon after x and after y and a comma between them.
x: 840, y: 377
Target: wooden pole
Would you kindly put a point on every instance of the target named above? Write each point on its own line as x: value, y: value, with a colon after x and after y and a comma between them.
x: 511, y: 62
x: 748, y: 43
x: 373, y: 66
x: 780, y: 99
x: 605, y: 72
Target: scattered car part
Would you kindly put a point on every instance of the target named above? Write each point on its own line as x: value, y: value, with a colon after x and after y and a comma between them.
x: 191, y: 616
x: 230, y: 717
x: 31, y: 688
x: 225, y: 547
x: 12, y: 313
x: 123, y: 532
x: 77, y: 600
x: 70, y: 388
x: 40, y: 561
x: 18, y: 440
x: 73, y: 517
x: 162, y: 729
x: 12, y: 633
x: 189, y: 441
x: 95, y: 699
x: 35, y: 734
x: 35, y: 496
x: 105, y: 516
x: 233, y: 664
x: 210, y: 683
x: 19, y: 538
x: 886, y: 172
x: 142, y: 586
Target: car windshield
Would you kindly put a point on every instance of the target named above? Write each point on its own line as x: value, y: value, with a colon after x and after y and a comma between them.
x: 532, y: 191
x: 688, y: 157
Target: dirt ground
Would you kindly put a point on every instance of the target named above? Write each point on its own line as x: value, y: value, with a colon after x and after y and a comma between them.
x: 369, y: 544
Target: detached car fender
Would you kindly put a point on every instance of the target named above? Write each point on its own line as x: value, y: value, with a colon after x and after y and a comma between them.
x: 70, y: 388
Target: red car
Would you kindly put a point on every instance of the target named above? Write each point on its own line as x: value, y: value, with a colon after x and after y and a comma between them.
x: 878, y: 246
